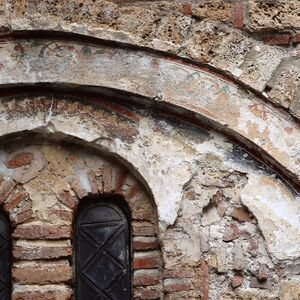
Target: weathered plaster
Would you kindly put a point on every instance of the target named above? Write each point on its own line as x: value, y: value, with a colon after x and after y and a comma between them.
x: 277, y: 211
x: 160, y: 81
x: 195, y: 176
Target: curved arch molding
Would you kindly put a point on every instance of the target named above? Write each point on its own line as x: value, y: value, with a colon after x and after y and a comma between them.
x: 160, y: 80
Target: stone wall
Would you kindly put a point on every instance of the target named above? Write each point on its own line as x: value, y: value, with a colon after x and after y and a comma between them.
x: 188, y: 110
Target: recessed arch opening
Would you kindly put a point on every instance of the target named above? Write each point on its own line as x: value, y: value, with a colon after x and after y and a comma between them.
x: 102, y: 248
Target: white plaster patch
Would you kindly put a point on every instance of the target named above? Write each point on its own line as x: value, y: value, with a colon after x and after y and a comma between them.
x: 278, y: 215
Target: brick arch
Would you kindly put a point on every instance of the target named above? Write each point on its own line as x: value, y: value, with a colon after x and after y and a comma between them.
x: 42, y: 237
x: 193, y: 91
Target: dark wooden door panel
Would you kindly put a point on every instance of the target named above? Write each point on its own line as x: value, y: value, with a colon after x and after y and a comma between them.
x: 102, y: 253
x: 5, y: 259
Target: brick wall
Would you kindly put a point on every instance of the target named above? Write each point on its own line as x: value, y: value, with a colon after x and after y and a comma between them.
x: 42, y: 227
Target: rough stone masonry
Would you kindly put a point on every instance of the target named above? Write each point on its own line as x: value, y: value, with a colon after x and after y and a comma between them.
x: 187, y: 111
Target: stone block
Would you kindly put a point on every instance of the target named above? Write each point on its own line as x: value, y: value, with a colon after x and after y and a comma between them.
x: 283, y: 86
x: 214, y: 10
x: 273, y: 15
x: 290, y: 290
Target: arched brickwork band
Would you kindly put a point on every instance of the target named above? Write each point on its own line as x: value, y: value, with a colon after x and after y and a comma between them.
x: 195, y: 92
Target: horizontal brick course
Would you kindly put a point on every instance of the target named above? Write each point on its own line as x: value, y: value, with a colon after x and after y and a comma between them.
x: 178, y: 273
x: 147, y: 293
x: 42, y: 232
x: 23, y: 215
x: 67, y: 199
x: 177, y: 285
x: 146, y: 260
x: 145, y: 243
x: 46, y: 292
x: 33, y: 250
x: 143, y: 229
x: 146, y: 277
x: 42, y: 273
x: 14, y: 201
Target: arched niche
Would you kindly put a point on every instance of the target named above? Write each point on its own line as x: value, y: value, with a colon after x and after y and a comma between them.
x: 46, y: 183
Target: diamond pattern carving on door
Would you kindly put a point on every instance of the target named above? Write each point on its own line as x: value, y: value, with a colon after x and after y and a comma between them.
x: 102, y: 253
x: 5, y: 249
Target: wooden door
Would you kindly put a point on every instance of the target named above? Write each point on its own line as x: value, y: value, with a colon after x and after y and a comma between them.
x: 5, y: 259
x: 102, y: 248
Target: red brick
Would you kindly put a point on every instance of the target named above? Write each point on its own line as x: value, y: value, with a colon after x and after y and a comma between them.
x: 120, y: 182
x: 177, y: 285
x: 23, y: 215
x: 15, y: 201
x: 93, y: 182
x: 143, y: 216
x: 31, y: 252
x: 146, y: 260
x: 19, y: 160
x: 51, y: 232
x: 232, y: 232
x: 254, y: 283
x: 241, y: 214
x: 204, y: 279
x: 42, y: 273
x: 67, y: 199
x: 48, y: 293
x: 61, y: 214
x: 143, y: 229
x: 145, y: 243
x: 146, y: 277
x: 253, y: 246
x: 283, y: 39
x: 178, y: 273
x: 6, y: 189
x: 187, y: 9
x: 147, y: 293
x: 262, y: 274
x: 239, y: 15
x: 134, y: 191
x: 107, y: 179
x: 236, y: 281
x: 296, y: 38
